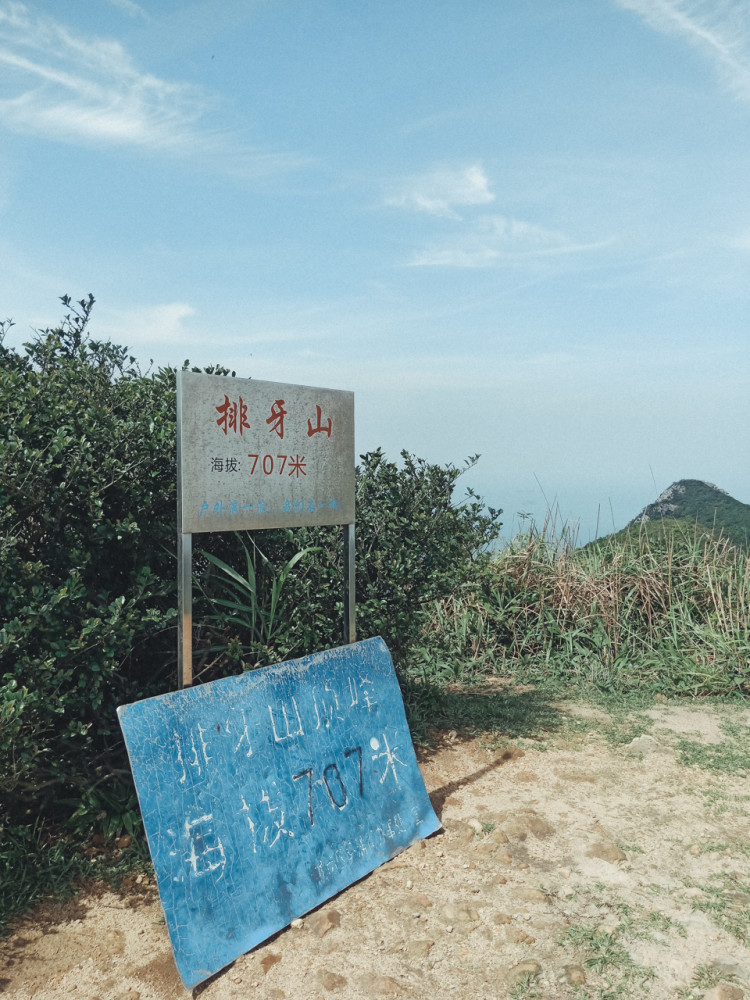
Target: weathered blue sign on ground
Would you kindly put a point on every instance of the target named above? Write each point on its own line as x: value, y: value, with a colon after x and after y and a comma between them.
x: 265, y: 794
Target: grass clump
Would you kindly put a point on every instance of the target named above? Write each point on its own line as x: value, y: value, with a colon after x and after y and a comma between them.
x: 39, y: 862
x: 726, y: 900
x: 656, y: 609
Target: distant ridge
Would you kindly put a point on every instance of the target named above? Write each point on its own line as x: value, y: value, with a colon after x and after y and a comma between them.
x: 703, y: 504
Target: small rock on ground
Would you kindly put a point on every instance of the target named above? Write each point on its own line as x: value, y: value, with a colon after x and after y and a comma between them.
x: 382, y: 986
x: 607, y: 852
x: 323, y: 921
x: 574, y: 975
x: 725, y: 991
x: 331, y: 980
x: 519, y: 972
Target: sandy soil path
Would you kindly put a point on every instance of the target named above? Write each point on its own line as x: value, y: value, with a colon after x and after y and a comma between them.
x: 571, y: 868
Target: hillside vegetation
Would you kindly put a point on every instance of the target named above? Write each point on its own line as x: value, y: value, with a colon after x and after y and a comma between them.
x: 88, y: 595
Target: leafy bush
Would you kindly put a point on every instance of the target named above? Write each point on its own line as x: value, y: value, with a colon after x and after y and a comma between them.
x: 87, y: 500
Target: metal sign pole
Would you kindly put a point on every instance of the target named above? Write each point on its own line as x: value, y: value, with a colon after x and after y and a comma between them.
x: 184, y: 610
x: 350, y: 629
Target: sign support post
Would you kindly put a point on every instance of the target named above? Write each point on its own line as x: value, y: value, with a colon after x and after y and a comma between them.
x: 184, y: 610
x: 350, y: 627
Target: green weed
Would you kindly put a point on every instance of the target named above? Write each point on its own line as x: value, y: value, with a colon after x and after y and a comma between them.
x: 705, y: 977
x: 603, y: 949
x: 731, y: 756
x: 526, y: 988
x: 726, y: 900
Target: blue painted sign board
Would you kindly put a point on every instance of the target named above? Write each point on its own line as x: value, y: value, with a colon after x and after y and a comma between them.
x: 265, y: 794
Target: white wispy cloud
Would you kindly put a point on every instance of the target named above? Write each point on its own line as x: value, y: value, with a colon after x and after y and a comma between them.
x: 73, y: 88
x: 146, y: 326
x: 720, y: 28
x: 129, y: 8
x: 440, y: 191
x: 495, y: 240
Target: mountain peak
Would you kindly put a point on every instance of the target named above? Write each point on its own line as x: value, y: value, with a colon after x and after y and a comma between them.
x: 705, y: 504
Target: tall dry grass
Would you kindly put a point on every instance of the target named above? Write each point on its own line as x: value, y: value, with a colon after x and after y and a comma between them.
x: 664, y: 606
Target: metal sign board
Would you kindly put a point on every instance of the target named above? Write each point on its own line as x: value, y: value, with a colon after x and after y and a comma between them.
x: 263, y: 795
x: 254, y: 454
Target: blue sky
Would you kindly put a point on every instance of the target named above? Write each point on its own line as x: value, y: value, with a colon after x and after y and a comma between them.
x: 519, y: 229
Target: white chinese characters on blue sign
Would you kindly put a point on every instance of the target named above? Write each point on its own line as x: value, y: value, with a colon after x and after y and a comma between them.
x: 265, y: 794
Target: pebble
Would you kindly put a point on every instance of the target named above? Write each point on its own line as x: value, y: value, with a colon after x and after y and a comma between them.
x: 323, y: 921
x: 539, y: 827
x: 727, y: 970
x: 498, y: 836
x: 459, y: 913
x: 496, y: 880
x: 331, y: 980
x: 381, y: 985
x: 463, y: 834
x: 574, y: 975
x: 517, y: 936
x: 643, y: 745
x: 523, y: 969
x: 607, y: 852
x: 419, y: 947
x: 268, y: 961
x: 529, y: 894
x: 298, y: 923
x: 725, y: 991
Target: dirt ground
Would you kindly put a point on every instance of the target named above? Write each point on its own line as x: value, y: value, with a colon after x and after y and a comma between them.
x: 593, y: 863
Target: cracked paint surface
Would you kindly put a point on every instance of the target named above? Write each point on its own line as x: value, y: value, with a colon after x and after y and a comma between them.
x: 265, y: 794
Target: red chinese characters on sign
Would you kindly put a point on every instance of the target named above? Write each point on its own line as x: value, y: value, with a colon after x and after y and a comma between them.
x: 276, y: 420
x: 319, y: 428
x: 229, y: 414
x: 233, y: 417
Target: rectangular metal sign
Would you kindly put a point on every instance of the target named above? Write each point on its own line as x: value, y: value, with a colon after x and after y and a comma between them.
x: 263, y: 795
x: 254, y: 454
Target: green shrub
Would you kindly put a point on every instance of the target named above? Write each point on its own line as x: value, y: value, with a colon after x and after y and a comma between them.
x: 87, y: 500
